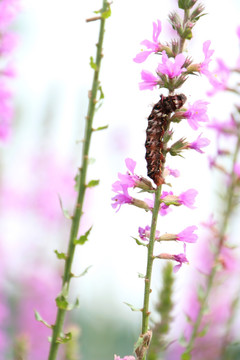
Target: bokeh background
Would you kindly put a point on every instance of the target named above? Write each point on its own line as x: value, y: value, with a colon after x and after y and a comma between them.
x: 40, y: 159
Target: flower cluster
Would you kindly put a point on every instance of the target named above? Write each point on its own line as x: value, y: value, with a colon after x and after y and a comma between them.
x: 8, y: 11
x: 186, y: 198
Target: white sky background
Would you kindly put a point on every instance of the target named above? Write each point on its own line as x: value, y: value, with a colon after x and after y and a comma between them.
x: 53, y: 64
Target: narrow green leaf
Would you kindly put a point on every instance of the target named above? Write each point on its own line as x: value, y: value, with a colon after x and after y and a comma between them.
x: 64, y: 338
x: 60, y: 255
x: 77, y: 182
x: 83, y: 273
x: 138, y: 242
x: 182, y: 341
x: 132, y: 307
x: 93, y: 183
x: 101, y: 93
x: 101, y: 128
x: 83, y: 238
x: 204, y: 331
x: 65, y: 212
x: 93, y: 64
x: 40, y: 319
x: 186, y: 356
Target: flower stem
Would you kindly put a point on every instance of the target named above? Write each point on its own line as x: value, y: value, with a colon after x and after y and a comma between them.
x: 58, y: 326
x: 147, y: 290
x: 222, y: 233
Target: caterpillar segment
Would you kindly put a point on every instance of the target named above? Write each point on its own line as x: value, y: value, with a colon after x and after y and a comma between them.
x: 158, y: 122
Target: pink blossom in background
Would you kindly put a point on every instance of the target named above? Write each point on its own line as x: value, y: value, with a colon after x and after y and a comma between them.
x: 197, y: 112
x: 222, y: 73
x: 154, y: 45
x: 238, y: 32
x: 39, y: 288
x: 171, y: 68
x: 8, y: 40
x: 149, y: 80
x: 199, y: 143
x: 226, y: 128
x: 237, y: 169
x: 203, y: 67
x: 4, y: 323
x: 124, y: 358
x: 52, y: 180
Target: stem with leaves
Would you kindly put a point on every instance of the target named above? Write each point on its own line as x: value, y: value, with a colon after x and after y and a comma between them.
x: 203, y: 299
x: 62, y: 303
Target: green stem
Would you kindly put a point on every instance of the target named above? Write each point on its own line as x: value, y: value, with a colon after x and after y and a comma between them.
x: 58, y: 326
x: 222, y: 233
x: 147, y: 290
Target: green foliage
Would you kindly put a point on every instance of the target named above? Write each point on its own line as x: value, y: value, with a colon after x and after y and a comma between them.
x: 64, y: 338
x: 65, y: 211
x: 63, y: 304
x: 93, y: 183
x: 60, y: 255
x: 83, y: 238
x: 40, y: 319
x: 132, y: 307
x: 186, y: 356
x: 164, y: 308
x: 93, y: 64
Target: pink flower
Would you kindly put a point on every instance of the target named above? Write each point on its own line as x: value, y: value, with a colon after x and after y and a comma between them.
x: 187, y: 235
x: 121, y: 198
x: 39, y: 289
x: 8, y: 11
x: 203, y: 67
x: 149, y: 80
x: 144, y: 233
x: 187, y: 198
x: 129, y: 179
x: 172, y: 172
x: 197, y: 112
x: 125, y: 358
x: 237, y: 169
x: 199, y: 143
x: 170, y: 68
x: 238, y: 32
x: 181, y: 259
x: 6, y: 112
x: 226, y: 128
x: 153, y: 45
x: 222, y: 72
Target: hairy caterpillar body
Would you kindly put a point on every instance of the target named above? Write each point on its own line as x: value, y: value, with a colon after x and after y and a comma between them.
x: 158, y: 122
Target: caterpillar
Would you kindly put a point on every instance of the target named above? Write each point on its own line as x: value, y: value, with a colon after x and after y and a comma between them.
x: 158, y: 122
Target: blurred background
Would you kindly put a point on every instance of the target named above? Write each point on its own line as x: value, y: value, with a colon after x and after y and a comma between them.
x: 39, y: 160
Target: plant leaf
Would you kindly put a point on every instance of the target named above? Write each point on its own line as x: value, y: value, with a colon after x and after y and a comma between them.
x: 93, y: 183
x: 64, y: 338
x: 132, y: 307
x: 40, y: 319
x: 83, y: 238
x: 65, y: 211
x: 60, y: 255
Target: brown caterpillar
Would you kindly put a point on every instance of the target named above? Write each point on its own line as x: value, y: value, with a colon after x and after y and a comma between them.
x: 158, y: 122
